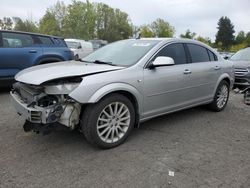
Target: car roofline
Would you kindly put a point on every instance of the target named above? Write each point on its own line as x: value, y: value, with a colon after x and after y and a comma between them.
x: 30, y: 33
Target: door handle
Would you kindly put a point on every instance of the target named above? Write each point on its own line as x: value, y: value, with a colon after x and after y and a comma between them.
x: 32, y: 51
x: 187, y: 71
x: 217, y: 67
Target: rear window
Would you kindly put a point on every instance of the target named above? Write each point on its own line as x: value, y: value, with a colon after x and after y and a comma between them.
x: 16, y: 40
x: 60, y: 42
x: 45, y: 40
x: 198, y: 53
x: 212, y: 56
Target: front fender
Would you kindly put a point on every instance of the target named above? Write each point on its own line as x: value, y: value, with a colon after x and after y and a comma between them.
x: 105, y: 90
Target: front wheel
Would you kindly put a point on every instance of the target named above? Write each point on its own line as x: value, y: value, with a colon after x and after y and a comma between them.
x: 108, y: 123
x: 76, y: 57
x: 221, y: 97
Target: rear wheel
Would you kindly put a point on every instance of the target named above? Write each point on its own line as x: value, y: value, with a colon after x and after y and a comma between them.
x: 108, y: 123
x: 221, y: 97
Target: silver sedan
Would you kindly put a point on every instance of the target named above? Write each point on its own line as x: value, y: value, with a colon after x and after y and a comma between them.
x: 115, y: 88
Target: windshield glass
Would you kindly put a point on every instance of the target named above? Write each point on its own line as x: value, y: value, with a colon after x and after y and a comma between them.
x: 122, y: 53
x: 242, y: 55
x: 73, y: 45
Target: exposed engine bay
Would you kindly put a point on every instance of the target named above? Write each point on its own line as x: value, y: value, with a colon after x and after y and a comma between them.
x: 47, y: 104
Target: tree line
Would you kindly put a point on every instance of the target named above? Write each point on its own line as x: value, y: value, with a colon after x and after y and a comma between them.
x: 86, y: 20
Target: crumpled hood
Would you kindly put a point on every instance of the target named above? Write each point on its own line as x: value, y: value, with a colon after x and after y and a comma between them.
x: 42, y: 73
x: 241, y: 64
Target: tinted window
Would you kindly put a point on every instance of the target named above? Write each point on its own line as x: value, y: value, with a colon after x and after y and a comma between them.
x: 16, y: 40
x: 175, y: 51
x: 45, y: 40
x: 60, y: 42
x: 198, y: 53
x: 212, y: 56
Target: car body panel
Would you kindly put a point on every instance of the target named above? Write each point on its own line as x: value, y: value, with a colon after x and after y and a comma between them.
x: 25, y: 56
x: 114, y: 81
x: 42, y: 73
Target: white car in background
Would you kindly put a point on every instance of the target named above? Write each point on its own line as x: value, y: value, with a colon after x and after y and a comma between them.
x: 80, y: 48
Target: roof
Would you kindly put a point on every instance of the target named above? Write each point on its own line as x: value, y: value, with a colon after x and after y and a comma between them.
x: 30, y: 33
x: 171, y: 39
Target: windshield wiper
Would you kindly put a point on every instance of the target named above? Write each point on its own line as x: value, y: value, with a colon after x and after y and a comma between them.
x: 85, y: 61
x: 103, y: 62
x: 98, y: 62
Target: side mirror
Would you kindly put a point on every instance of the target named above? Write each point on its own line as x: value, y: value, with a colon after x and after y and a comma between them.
x: 79, y: 47
x: 162, y: 61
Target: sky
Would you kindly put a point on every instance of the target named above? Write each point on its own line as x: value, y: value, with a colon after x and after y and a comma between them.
x: 200, y: 16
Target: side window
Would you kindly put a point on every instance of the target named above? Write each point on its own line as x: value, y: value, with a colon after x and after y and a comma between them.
x: 45, y: 40
x: 16, y: 40
x: 175, y: 51
x: 60, y: 42
x: 198, y: 53
x: 212, y: 56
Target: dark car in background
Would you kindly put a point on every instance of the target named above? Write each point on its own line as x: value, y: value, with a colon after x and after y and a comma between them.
x: 20, y: 50
x: 241, y: 61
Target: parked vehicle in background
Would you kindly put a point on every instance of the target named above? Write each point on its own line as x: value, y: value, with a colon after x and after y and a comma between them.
x: 226, y: 55
x: 98, y: 43
x: 241, y: 61
x: 80, y: 48
x: 20, y: 50
x: 120, y: 85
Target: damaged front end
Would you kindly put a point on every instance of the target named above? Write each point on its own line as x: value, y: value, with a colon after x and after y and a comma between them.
x: 46, y: 107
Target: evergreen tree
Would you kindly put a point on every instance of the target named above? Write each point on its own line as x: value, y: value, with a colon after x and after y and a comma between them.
x: 225, y: 34
x: 188, y: 35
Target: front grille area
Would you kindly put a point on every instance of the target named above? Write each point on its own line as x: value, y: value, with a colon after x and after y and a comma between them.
x: 35, y: 117
x: 241, y: 71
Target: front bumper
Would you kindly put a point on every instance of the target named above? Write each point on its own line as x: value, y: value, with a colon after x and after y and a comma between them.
x: 67, y: 114
x: 242, y: 81
x: 29, y: 113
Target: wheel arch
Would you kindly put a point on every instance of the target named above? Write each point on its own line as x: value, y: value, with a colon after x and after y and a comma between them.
x: 48, y: 59
x: 225, y: 77
x: 124, y: 89
x: 133, y: 100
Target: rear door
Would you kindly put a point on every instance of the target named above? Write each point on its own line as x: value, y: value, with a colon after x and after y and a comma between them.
x: 205, y: 71
x: 55, y: 48
x: 18, y: 51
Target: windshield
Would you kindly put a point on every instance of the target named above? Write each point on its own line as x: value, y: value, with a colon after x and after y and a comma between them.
x: 73, y: 45
x: 242, y: 55
x: 122, y: 53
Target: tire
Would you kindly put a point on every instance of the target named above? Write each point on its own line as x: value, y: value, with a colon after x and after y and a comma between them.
x: 76, y: 57
x: 220, y: 98
x: 247, y: 97
x: 104, y: 130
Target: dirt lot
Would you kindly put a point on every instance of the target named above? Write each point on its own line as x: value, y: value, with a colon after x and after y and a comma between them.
x: 202, y: 148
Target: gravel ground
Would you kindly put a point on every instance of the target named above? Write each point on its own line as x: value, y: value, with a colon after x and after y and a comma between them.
x: 191, y: 148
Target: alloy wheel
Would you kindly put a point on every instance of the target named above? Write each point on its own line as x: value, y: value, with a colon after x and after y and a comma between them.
x: 222, y: 96
x: 113, y: 122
